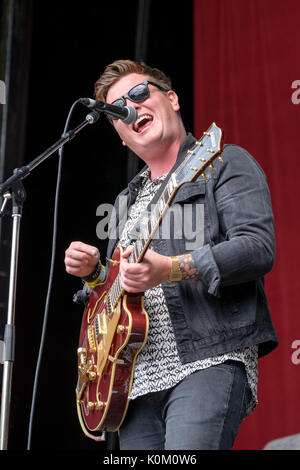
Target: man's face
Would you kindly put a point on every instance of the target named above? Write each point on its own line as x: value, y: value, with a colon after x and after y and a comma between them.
x: 157, y: 121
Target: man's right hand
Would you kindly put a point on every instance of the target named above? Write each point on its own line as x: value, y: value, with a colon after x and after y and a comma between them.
x: 81, y: 259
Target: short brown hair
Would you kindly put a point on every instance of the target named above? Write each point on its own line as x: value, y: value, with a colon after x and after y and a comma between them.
x: 119, y: 68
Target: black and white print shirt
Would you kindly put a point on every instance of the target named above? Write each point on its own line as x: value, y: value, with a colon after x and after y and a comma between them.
x: 158, y: 366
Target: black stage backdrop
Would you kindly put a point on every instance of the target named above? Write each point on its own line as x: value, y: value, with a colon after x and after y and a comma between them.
x: 71, y: 44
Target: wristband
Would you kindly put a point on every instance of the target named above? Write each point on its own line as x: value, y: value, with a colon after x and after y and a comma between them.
x: 96, y: 277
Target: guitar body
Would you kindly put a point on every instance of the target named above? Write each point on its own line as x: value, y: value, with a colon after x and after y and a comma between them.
x: 111, y: 336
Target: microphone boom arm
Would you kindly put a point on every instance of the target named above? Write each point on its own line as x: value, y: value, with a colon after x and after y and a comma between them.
x: 21, y: 173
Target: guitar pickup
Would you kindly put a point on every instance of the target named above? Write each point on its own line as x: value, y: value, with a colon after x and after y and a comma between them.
x: 92, y: 339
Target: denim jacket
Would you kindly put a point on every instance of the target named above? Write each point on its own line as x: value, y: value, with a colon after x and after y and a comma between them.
x: 231, y: 238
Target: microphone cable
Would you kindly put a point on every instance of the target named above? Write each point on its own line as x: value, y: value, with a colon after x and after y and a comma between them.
x: 54, y: 238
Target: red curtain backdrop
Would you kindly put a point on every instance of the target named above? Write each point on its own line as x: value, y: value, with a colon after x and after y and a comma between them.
x: 246, y: 79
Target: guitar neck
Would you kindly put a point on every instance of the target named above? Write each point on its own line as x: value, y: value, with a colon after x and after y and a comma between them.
x: 196, y: 161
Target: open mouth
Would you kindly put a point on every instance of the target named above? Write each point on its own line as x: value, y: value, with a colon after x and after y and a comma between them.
x: 142, y: 122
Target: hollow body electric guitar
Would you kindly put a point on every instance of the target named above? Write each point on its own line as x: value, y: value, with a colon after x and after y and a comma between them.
x: 115, y: 325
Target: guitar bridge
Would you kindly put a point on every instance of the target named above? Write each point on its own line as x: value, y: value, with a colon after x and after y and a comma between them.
x: 114, y: 360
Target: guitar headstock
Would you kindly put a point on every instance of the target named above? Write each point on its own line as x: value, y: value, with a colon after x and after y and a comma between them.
x: 201, y: 155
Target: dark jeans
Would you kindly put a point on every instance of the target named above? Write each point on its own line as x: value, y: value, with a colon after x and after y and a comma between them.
x: 203, y: 411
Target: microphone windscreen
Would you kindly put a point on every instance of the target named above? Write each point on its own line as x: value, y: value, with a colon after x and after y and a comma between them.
x: 132, y: 115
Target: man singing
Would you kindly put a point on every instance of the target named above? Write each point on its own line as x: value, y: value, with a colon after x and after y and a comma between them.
x: 196, y: 377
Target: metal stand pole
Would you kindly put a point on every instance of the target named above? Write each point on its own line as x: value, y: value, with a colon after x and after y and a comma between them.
x: 18, y: 196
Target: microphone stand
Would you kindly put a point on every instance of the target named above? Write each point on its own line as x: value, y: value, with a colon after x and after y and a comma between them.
x: 13, y: 189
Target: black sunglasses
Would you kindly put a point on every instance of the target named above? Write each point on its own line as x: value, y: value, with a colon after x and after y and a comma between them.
x: 137, y: 94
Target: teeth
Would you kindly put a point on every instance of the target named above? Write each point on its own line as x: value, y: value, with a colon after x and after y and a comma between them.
x: 140, y: 119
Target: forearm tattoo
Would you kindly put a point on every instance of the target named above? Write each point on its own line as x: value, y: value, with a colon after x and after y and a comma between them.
x: 188, y: 268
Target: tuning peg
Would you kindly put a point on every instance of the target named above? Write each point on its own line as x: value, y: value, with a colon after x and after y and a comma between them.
x: 220, y: 159
x: 204, y: 175
x: 212, y: 166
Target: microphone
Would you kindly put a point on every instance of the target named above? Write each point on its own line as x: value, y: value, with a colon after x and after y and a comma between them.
x: 127, y: 114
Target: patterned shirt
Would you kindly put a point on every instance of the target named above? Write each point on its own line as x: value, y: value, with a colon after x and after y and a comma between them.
x: 158, y: 366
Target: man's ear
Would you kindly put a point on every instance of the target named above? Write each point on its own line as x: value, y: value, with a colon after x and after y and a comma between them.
x: 173, y: 97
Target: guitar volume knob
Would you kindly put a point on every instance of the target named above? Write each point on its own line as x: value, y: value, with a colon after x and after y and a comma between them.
x: 120, y: 329
x: 92, y: 375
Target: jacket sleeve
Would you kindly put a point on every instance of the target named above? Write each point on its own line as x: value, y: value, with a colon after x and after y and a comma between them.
x: 246, y: 249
